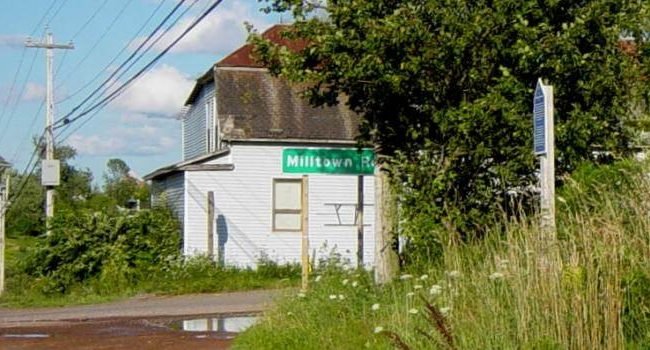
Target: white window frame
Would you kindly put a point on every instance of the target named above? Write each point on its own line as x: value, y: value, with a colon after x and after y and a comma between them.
x: 275, y: 211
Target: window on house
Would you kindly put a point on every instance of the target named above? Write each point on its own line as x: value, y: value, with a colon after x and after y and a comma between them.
x: 287, y: 204
x: 211, y: 132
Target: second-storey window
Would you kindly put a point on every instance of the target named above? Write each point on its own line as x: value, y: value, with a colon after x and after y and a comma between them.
x: 287, y: 204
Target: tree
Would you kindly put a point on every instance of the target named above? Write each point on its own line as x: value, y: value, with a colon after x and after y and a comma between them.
x: 121, y: 186
x: 444, y: 89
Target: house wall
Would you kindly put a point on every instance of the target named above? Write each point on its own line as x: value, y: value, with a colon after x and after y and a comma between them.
x: 243, y: 213
x: 194, y: 125
x: 171, y: 190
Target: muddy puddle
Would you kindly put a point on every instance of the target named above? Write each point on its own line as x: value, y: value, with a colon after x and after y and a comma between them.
x: 204, y: 332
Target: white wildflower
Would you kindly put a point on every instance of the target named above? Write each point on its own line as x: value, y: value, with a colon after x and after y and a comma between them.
x: 424, y: 277
x: 410, y: 294
x: 405, y: 277
x: 445, y: 310
x: 374, y: 307
x: 345, y: 281
x: 378, y: 329
x: 417, y: 286
x: 341, y: 296
x: 413, y: 311
x: 317, y: 278
x: 355, y: 284
x: 435, y: 289
x: 333, y: 296
x: 301, y: 295
x: 496, y: 276
x: 453, y: 274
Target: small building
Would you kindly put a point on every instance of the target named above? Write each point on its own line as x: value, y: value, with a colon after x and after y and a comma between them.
x: 248, y: 142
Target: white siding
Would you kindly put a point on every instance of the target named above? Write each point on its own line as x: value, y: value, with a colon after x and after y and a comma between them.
x: 243, y: 201
x: 171, y: 190
x: 194, y: 125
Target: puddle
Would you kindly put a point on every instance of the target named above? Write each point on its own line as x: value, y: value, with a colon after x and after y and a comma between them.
x: 222, y: 325
x: 27, y: 336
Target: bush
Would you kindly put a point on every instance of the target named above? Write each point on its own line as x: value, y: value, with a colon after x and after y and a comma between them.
x: 116, y: 249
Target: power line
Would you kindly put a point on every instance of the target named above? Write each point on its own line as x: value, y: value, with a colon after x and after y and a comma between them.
x: 66, y: 122
x: 31, y: 127
x: 99, y: 40
x: 108, y: 80
x: 171, y: 25
x: 90, y: 19
x: 17, y: 99
x: 114, y: 58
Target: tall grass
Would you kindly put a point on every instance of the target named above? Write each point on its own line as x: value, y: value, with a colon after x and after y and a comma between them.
x: 590, y: 289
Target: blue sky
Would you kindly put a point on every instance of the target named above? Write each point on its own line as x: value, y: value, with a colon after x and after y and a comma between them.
x: 138, y: 127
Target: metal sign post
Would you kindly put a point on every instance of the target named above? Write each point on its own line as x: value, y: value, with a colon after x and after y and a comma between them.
x: 544, y: 148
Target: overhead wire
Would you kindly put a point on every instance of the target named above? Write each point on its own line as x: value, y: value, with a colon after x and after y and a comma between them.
x: 110, y: 64
x: 99, y: 39
x: 107, y: 80
x: 116, y: 79
x: 67, y: 122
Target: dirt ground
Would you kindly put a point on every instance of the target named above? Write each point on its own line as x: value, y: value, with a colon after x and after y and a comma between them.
x: 141, y: 334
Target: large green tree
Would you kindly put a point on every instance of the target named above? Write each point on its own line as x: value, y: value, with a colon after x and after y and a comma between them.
x: 444, y: 88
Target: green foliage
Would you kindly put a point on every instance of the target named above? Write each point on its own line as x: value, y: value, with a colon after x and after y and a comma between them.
x: 120, y: 186
x: 117, y: 250
x: 445, y: 90
x: 507, y: 291
x: 25, y: 213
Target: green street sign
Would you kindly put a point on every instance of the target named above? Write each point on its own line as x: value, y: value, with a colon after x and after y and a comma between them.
x: 342, y: 161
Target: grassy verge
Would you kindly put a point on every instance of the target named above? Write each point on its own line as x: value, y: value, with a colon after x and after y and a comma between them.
x: 194, y: 275
x: 512, y: 290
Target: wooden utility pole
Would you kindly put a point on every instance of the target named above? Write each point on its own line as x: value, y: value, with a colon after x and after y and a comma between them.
x: 49, y: 163
x: 386, y: 263
x: 4, y: 196
x: 305, y: 232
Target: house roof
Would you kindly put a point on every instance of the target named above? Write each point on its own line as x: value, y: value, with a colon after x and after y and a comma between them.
x: 190, y: 165
x: 4, y: 163
x: 242, y: 57
x: 253, y: 104
x: 203, y: 80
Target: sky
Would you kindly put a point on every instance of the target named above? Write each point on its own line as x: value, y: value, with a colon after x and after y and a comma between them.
x: 141, y: 125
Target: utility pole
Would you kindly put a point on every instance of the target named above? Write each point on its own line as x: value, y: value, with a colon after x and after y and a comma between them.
x: 50, y: 169
x: 4, y: 202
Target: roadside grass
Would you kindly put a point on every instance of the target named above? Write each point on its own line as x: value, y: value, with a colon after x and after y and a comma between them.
x: 512, y: 290
x: 184, y: 276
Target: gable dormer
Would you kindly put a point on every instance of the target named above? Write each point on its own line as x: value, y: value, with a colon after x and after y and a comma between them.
x: 200, y: 125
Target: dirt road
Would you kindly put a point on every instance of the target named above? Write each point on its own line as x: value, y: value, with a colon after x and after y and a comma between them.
x: 175, y: 322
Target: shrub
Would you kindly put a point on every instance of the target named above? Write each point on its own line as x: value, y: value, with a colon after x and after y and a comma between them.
x: 116, y: 249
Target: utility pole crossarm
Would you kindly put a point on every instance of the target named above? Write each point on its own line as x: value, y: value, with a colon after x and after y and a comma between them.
x: 41, y: 45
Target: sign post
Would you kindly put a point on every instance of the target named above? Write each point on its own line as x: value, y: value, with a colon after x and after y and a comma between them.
x: 544, y: 148
x: 334, y: 161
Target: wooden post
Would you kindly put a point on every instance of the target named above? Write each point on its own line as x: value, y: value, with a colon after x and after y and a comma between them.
x: 210, y: 224
x: 360, y: 221
x: 386, y: 263
x: 305, y: 232
x: 547, y: 169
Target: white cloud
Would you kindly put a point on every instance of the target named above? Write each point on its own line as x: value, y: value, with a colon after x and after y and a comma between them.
x: 221, y: 32
x: 140, y: 138
x: 33, y: 92
x: 162, y: 91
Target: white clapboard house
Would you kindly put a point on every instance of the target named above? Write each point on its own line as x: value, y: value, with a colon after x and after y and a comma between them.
x: 248, y: 141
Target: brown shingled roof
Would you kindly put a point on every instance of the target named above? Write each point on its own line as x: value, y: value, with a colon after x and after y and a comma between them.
x: 256, y: 105
x: 242, y: 57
